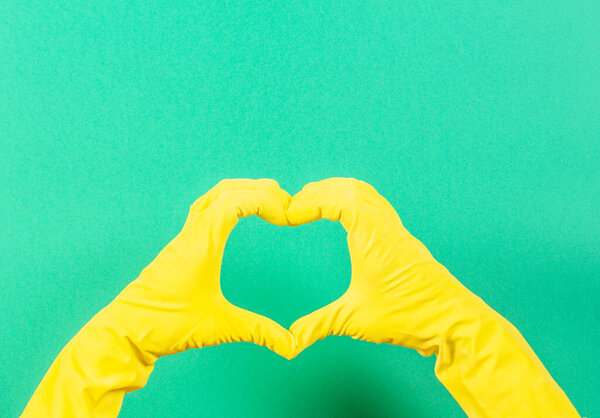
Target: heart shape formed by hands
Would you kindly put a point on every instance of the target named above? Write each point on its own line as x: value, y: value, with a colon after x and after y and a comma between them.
x: 398, y: 293
x: 386, y: 300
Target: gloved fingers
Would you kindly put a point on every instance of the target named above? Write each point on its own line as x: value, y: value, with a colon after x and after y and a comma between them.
x: 205, y: 234
x: 336, y: 199
x: 248, y: 326
x: 367, y: 217
x: 232, y: 205
x: 332, y: 319
x: 229, y: 185
x: 259, y: 197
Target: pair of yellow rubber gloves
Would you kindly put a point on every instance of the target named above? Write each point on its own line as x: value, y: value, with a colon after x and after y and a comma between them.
x: 399, y: 294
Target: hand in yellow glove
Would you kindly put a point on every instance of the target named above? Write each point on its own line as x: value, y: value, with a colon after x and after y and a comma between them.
x: 399, y: 294
x: 175, y: 304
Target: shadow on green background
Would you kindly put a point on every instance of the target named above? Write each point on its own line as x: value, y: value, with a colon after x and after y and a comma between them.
x: 478, y: 122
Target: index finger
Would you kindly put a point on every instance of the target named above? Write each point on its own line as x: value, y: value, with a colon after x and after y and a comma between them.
x: 229, y: 185
x: 347, y: 200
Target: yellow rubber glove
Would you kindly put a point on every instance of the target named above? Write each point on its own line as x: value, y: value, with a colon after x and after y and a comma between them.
x: 176, y: 303
x: 399, y: 294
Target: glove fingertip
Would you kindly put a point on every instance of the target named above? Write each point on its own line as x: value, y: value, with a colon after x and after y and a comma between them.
x: 269, y: 333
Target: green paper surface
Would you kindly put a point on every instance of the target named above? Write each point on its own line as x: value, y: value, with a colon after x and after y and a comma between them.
x: 479, y: 122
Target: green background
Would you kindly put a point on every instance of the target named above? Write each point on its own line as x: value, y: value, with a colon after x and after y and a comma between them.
x: 479, y: 121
